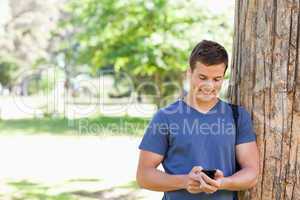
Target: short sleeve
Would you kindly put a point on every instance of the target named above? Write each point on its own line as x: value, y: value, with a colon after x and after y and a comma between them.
x: 245, y: 132
x: 155, y: 138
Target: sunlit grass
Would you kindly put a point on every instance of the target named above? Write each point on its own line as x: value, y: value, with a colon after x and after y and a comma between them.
x: 27, y: 190
x: 98, y: 126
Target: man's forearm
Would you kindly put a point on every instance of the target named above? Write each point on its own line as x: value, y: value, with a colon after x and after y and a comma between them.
x: 244, y: 179
x: 156, y: 180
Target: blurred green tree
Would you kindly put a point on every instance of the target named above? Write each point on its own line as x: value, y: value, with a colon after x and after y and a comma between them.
x: 143, y: 38
x: 7, y: 69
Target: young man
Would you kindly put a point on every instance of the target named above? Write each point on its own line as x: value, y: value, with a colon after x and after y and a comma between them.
x: 198, y: 132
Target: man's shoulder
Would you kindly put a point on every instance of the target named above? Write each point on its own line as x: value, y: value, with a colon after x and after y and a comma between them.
x: 231, y: 106
x: 173, y: 108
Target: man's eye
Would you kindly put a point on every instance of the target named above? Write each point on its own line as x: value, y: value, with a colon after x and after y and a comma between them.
x: 202, y: 78
x: 217, y: 80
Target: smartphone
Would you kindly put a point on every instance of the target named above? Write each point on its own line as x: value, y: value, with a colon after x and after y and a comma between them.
x: 209, y: 173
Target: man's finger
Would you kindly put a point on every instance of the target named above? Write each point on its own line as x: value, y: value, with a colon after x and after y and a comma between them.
x: 194, y: 188
x: 194, y: 183
x: 205, y: 187
x: 210, y: 181
x: 194, y: 176
x: 197, y: 169
x: 219, y: 173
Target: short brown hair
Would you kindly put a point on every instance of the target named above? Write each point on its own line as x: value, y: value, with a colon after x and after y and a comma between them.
x: 208, y: 53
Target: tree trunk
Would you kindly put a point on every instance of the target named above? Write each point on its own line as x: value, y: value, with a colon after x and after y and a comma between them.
x: 265, y: 79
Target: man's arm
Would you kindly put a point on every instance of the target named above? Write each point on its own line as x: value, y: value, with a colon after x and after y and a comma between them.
x: 248, y: 158
x: 149, y: 177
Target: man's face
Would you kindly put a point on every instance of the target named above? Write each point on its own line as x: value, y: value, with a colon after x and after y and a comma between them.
x: 206, y: 81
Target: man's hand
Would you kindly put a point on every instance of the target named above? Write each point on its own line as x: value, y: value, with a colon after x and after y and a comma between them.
x: 200, y: 182
x: 219, y: 177
x: 193, y: 186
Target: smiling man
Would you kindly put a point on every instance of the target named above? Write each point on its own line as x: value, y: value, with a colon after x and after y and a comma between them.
x: 198, y: 133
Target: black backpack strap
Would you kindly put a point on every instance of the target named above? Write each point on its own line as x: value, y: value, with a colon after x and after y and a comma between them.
x: 235, y: 115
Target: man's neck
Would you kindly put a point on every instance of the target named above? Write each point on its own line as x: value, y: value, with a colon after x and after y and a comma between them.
x: 202, y: 106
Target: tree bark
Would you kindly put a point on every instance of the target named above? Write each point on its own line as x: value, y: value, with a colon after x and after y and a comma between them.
x: 265, y: 79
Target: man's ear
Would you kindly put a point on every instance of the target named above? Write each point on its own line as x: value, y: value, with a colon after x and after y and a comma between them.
x: 189, y: 72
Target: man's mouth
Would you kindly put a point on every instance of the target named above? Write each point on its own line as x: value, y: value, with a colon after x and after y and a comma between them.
x: 205, y: 93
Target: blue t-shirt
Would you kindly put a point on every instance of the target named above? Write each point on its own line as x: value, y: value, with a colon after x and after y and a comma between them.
x: 188, y: 138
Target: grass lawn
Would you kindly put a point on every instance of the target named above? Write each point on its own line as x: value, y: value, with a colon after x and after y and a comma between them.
x: 97, y: 126
x: 77, y: 189
x: 45, y: 159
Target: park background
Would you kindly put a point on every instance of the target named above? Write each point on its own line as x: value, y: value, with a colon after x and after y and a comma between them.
x: 80, y: 80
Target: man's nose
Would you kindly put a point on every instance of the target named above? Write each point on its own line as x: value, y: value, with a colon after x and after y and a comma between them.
x: 208, y: 84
